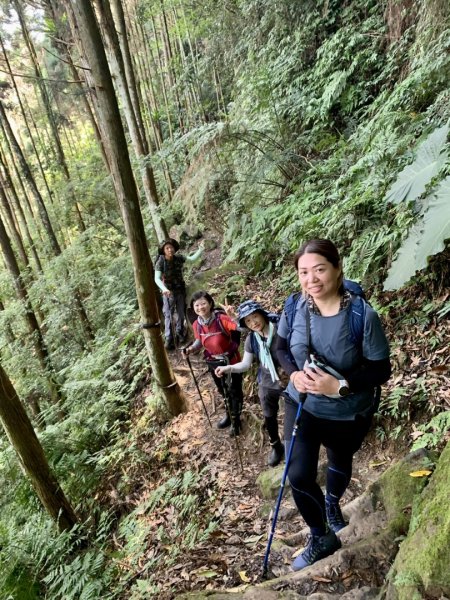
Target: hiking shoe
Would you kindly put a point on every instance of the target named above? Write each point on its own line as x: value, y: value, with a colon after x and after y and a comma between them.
x: 236, y: 427
x: 319, y: 546
x: 335, y: 519
x: 169, y: 345
x: 181, y: 337
x: 277, y: 454
x: 224, y: 422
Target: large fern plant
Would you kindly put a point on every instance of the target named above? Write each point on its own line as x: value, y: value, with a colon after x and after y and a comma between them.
x: 432, y: 227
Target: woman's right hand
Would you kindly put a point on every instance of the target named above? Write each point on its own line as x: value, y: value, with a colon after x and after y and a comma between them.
x: 299, y: 380
x: 220, y: 371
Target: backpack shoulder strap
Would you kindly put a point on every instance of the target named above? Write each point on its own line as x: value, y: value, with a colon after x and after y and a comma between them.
x: 217, y: 314
x: 356, y: 320
x: 357, y: 311
x: 289, y: 310
x: 254, y: 344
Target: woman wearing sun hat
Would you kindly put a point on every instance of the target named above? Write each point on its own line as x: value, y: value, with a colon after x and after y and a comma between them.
x: 260, y: 344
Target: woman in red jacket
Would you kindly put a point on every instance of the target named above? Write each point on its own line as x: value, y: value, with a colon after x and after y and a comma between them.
x: 217, y: 334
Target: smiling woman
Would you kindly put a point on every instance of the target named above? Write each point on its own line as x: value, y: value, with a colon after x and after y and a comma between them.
x: 259, y: 344
x: 321, y: 278
x: 339, y: 402
x: 217, y: 334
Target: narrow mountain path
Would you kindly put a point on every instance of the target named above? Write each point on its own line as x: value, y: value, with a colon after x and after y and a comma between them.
x: 233, y: 554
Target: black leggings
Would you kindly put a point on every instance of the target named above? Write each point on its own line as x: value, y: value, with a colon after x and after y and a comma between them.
x: 341, y: 440
x: 230, y: 389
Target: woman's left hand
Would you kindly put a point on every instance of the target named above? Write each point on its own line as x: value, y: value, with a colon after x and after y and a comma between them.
x: 320, y: 382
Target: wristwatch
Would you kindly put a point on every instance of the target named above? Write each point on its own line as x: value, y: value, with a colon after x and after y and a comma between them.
x: 344, y: 390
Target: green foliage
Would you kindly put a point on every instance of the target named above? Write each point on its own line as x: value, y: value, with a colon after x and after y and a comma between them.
x: 176, y: 517
x: 434, y: 432
x: 321, y: 111
x: 425, y: 239
x: 303, y: 121
x: 66, y: 570
x: 429, y: 159
x: 396, y: 403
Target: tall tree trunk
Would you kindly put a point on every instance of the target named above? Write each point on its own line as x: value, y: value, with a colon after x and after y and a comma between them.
x: 192, y: 88
x: 63, y: 44
x: 12, y: 157
x: 168, y: 54
x: 12, y: 225
x: 7, y: 183
x: 7, y: 331
x: 44, y: 215
x: 31, y: 181
x: 136, y: 45
x: 48, y: 108
x: 161, y: 77
x: 140, y: 145
x: 32, y: 322
x: 146, y: 89
x: 119, y: 20
x: 25, y: 118
x: 31, y: 455
x: 128, y: 198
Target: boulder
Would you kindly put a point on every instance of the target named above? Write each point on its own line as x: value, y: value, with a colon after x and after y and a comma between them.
x: 422, y: 565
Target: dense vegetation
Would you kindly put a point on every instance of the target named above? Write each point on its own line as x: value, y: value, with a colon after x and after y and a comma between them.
x: 266, y: 123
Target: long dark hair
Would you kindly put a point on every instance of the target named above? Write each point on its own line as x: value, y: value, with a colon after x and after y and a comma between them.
x: 325, y: 248
x: 202, y: 294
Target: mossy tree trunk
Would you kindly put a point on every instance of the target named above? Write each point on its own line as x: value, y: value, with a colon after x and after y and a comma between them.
x: 128, y: 198
x: 22, y: 436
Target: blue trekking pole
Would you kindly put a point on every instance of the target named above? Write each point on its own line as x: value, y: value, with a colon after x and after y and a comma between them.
x: 282, y: 485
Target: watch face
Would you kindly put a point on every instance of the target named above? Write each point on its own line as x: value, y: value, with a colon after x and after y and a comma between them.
x: 344, y: 391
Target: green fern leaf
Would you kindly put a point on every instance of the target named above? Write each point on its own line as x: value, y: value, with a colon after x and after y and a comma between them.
x: 425, y: 239
x: 412, y: 181
x: 333, y: 90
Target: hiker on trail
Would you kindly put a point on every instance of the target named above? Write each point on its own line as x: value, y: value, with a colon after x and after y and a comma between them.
x: 217, y: 333
x: 260, y: 344
x: 169, y: 279
x: 338, y: 408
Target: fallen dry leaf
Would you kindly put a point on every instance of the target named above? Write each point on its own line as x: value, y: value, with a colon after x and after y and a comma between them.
x: 422, y: 473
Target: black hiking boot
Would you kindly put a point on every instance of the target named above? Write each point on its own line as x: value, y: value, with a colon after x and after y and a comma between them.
x: 335, y: 518
x: 236, y: 427
x: 224, y: 422
x: 169, y: 345
x: 181, y: 337
x: 277, y: 454
x: 318, y: 547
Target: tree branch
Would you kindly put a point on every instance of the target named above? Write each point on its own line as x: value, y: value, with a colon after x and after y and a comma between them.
x: 40, y: 78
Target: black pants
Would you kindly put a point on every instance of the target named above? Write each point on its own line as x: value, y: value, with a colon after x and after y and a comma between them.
x: 230, y: 388
x: 341, y: 440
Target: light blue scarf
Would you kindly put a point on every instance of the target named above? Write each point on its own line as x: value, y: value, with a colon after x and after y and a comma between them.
x: 264, y: 352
